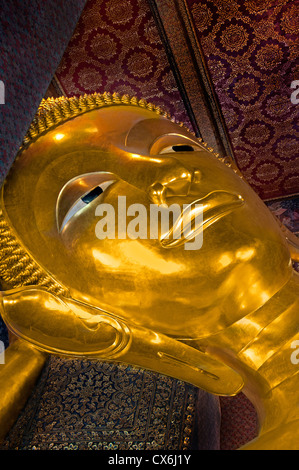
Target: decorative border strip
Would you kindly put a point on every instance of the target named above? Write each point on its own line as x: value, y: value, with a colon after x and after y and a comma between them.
x: 188, y: 66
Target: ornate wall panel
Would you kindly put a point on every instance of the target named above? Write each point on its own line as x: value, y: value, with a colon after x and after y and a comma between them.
x: 192, y: 76
x: 116, y: 47
x: 87, y: 405
x: 251, y: 51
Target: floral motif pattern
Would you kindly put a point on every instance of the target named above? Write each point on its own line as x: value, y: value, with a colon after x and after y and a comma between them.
x: 116, y: 48
x: 88, y: 405
x: 255, y: 45
x: 234, y: 36
x: 287, y: 210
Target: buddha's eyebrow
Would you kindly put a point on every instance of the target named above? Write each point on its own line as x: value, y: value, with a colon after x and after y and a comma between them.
x: 82, y: 202
x: 80, y: 191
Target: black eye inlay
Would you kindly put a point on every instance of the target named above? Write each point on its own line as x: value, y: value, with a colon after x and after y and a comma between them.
x: 92, y: 195
x: 182, y: 148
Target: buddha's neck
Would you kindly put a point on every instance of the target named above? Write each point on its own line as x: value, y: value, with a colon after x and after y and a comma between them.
x: 259, y: 345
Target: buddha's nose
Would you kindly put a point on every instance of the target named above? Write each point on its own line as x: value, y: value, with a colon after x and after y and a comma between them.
x: 175, y: 181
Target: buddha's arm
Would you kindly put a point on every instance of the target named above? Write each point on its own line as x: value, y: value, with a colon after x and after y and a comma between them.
x: 18, y: 375
x: 67, y: 327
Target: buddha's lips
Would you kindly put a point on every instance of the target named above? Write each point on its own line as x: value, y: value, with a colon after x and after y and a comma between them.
x: 213, y: 207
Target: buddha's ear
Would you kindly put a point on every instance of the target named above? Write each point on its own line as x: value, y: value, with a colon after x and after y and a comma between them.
x: 64, y: 326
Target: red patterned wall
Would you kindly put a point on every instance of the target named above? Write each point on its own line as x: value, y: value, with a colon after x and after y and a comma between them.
x: 251, y: 50
x: 116, y: 47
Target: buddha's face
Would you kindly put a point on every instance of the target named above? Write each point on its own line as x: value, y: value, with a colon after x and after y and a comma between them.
x: 170, y: 286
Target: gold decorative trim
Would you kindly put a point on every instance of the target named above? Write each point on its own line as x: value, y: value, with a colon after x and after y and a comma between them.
x: 55, y: 111
x: 17, y: 267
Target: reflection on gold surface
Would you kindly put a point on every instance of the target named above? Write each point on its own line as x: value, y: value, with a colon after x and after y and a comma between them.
x: 106, y: 260
x: 224, y: 260
x: 58, y: 136
x: 146, y: 258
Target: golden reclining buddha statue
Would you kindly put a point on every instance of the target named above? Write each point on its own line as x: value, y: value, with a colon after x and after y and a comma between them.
x: 221, y: 314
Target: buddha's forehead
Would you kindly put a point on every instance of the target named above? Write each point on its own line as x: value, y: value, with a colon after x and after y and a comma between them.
x: 134, y: 129
x: 151, y: 135
x: 124, y: 118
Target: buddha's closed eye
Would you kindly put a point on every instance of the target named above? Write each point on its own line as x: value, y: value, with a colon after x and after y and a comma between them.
x: 78, y: 193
